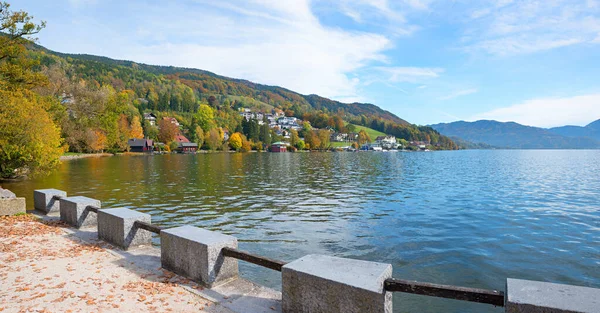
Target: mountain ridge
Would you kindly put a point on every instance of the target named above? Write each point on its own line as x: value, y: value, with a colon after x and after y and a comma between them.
x: 513, y: 135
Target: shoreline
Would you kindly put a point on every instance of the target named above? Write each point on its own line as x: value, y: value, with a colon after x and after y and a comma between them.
x: 84, y: 155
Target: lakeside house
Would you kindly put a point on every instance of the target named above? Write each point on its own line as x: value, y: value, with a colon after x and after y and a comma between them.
x: 279, y: 147
x: 387, y: 142
x: 151, y: 118
x: 184, y: 145
x: 140, y: 145
x: 187, y: 147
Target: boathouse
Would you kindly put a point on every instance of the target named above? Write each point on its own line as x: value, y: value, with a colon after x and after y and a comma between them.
x: 140, y: 145
x: 279, y: 147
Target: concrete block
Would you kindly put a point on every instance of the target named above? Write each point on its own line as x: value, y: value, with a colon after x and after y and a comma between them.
x: 196, y: 254
x: 73, y: 211
x: 319, y: 283
x: 43, y: 200
x: 526, y: 296
x: 12, y: 206
x: 116, y: 226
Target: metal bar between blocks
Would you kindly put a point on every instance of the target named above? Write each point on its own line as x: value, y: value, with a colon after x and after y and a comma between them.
x: 147, y: 226
x: 92, y: 208
x: 493, y: 297
x: 254, y: 259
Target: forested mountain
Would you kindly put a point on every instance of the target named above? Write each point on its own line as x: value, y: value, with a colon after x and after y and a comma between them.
x: 514, y: 135
x: 104, y: 70
x: 179, y: 92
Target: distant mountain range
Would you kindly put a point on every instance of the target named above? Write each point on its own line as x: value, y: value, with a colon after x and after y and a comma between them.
x: 485, y: 133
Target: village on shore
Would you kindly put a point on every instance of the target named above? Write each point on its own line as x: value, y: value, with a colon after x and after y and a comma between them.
x: 285, y: 128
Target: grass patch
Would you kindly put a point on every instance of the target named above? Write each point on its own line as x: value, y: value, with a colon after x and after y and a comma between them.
x: 72, y: 153
x: 371, y: 132
x: 340, y: 144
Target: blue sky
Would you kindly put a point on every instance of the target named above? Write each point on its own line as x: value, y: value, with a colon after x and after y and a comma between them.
x: 428, y: 61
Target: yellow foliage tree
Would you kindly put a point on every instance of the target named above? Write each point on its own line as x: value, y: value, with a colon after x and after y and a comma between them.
x: 363, y: 137
x: 136, y: 128
x: 235, y: 141
x: 214, y: 139
x: 246, y: 145
x: 30, y: 142
x: 97, y: 140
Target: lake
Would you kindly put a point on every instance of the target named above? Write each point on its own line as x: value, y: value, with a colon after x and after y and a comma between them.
x: 466, y: 218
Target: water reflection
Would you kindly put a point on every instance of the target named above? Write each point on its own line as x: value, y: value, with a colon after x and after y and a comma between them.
x: 468, y: 218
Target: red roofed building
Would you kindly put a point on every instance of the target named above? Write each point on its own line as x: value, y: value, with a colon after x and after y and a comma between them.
x: 181, y: 139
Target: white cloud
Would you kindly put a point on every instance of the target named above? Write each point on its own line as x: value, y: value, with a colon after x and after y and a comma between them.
x: 409, y: 74
x: 549, y: 112
x: 266, y: 41
x: 459, y: 93
x: 520, y: 27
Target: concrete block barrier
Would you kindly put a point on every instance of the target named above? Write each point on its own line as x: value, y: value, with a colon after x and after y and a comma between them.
x: 196, y: 254
x: 12, y: 206
x: 117, y: 226
x: 43, y: 200
x: 526, y: 296
x: 73, y: 211
x: 319, y: 283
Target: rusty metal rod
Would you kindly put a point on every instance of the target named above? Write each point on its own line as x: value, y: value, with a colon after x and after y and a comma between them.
x: 92, y: 208
x: 147, y: 226
x: 253, y: 258
x: 493, y: 297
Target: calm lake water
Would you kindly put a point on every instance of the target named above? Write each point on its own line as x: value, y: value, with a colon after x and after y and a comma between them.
x: 467, y: 218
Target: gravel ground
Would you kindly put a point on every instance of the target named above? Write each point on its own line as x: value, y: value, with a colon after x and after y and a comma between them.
x: 45, y: 268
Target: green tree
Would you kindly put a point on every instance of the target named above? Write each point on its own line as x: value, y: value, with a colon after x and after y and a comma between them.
x: 205, y: 117
x: 265, y: 133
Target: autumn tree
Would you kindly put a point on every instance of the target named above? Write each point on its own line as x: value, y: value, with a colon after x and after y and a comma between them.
x: 235, y: 141
x: 246, y: 145
x: 294, y: 138
x: 166, y: 131
x: 363, y: 137
x: 30, y: 142
x: 324, y: 137
x: 199, y: 136
x: 312, y: 140
x: 214, y: 139
x: 97, y: 140
x: 136, y: 128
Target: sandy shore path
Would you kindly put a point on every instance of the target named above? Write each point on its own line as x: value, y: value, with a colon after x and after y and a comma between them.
x: 46, y: 268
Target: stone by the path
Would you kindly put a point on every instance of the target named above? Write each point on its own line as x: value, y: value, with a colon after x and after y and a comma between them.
x: 7, y: 194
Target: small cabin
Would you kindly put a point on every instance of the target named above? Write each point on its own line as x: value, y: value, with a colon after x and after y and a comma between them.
x: 187, y: 147
x: 140, y: 145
